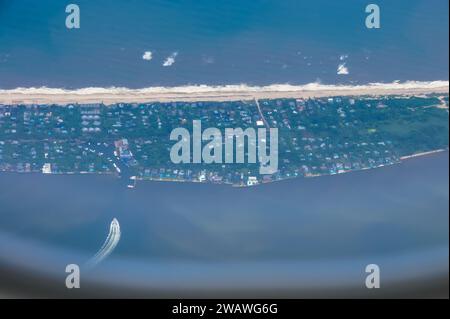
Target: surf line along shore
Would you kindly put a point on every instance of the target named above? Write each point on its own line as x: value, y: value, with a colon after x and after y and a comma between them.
x: 199, y: 93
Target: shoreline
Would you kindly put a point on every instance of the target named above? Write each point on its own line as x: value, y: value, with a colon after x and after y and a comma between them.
x: 143, y: 180
x: 204, y: 93
x: 407, y: 157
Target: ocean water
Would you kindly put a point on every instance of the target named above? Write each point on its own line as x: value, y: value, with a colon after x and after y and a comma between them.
x: 300, y: 231
x: 256, y: 42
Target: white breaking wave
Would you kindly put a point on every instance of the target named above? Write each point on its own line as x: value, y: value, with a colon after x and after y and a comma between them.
x: 109, y: 245
x: 233, y: 88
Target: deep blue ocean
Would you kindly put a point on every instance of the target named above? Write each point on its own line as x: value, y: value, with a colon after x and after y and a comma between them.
x: 220, y: 42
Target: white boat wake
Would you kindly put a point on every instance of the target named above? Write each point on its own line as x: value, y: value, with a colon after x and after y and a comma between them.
x: 109, y: 245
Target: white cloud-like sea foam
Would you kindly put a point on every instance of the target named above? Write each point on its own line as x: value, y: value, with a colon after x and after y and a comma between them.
x: 342, y: 69
x: 148, y: 55
x: 170, y: 59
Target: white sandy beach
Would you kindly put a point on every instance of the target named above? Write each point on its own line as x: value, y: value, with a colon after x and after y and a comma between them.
x: 213, y: 93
